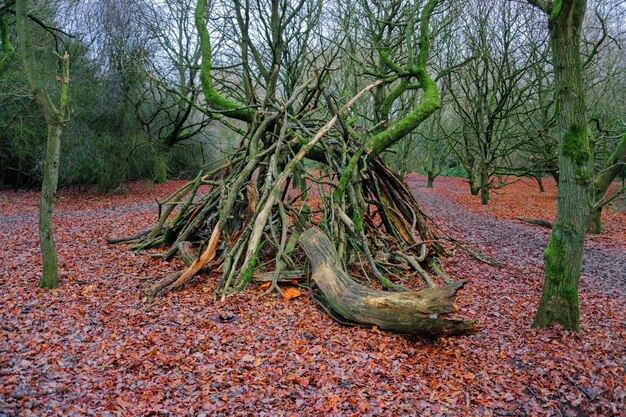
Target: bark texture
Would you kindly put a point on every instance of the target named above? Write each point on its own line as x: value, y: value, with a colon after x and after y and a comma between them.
x: 614, y: 164
x: 55, y: 118
x: 563, y: 256
x: 421, y: 313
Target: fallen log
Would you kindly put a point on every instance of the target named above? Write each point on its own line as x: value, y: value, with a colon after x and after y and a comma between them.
x: 284, y: 276
x: 537, y: 222
x: 420, y: 313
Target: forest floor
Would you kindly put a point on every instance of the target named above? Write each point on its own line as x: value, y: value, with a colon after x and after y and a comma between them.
x: 94, y: 347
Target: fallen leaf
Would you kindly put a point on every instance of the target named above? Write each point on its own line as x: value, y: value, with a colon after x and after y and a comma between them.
x: 291, y: 293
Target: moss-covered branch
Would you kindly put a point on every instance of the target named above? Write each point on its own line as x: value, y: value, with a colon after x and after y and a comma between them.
x: 429, y: 103
x: 393, y: 95
x: 430, y: 99
x: 214, y: 99
x: 424, y: 39
x: 613, y: 166
x: 600, y: 185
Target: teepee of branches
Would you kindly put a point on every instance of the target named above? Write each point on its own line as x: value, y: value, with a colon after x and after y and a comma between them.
x: 308, y: 170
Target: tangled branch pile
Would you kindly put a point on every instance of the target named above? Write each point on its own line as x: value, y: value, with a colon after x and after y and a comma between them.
x: 291, y: 171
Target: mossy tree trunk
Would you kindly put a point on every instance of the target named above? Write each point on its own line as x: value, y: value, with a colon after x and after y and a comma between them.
x: 55, y: 118
x: 563, y: 256
x: 433, y: 162
x: 473, y: 185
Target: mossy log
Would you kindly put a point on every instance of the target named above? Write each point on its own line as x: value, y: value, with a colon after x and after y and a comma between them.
x: 421, y: 313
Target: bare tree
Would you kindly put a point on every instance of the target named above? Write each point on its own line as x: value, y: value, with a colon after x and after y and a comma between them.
x: 491, y: 93
x: 55, y: 117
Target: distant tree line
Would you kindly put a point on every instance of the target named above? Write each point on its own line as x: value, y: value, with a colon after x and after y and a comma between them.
x: 497, y: 117
x: 122, y: 123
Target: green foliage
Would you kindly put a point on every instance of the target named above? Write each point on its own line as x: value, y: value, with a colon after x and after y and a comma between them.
x: 456, y: 171
x: 104, y: 143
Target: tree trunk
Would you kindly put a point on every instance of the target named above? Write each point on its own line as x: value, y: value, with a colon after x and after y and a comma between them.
x: 50, y: 277
x: 432, y: 171
x: 421, y: 313
x: 471, y: 179
x: 594, y: 222
x: 614, y: 164
x: 540, y: 184
x: 484, y: 184
x: 555, y: 175
x: 55, y: 119
x: 563, y: 256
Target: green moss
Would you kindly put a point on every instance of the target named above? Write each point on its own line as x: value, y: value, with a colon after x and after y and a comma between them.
x: 559, y: 300
x: 570, y: 294
x: 385, y: 107
x: 553, y: 258
x: 7, y: 48
x: 576, y: 144
x: 213, y: 98
x: 357, y: 219
x: 246, y: 277
x: 5, y: 42
x: 387, y: 60
x: 347, y: 174
x: 246, y: 274
x: 557, y: 5
x: 575, y: 11
x: 429, y: 103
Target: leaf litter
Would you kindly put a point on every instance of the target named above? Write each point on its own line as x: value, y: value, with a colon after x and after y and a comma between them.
x: 94, y: 347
